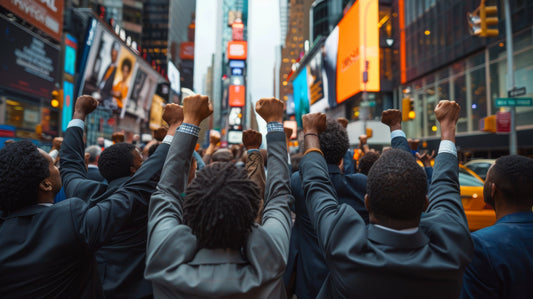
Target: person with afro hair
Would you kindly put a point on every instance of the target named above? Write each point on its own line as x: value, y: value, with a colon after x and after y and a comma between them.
x: 502, y: 266
x: 306, y: 267
x: 121, y: 261
x: 48, y: 250
x: 400, y: 254
x: 205, y: 243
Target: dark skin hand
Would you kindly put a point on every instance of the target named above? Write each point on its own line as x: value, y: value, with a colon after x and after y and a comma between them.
x: 270, y: 109
x: 447, y: 113
x: 84, y: 105
x: 392, y: 118
x: 173, y: 115
x: 252, y: 139
x: 196, y: 108
x: 314, y: 123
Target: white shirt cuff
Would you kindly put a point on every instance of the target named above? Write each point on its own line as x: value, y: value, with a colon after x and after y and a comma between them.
x: 168, y: 139
x: 397, y: 133
x: 446, y: 146
x: 76, y: 123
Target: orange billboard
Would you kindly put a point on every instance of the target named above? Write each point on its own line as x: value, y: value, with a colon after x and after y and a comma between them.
x: 187, y: 50
x: 237, y: 50
x: 358, y: 42
x: 45, y: 15
x: 236, y: 95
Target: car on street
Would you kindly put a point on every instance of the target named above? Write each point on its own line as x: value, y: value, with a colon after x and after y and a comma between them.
x: 478, y: 213
x: 480, y: 166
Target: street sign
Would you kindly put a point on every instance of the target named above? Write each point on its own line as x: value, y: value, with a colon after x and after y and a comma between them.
x: 368, y: 103
x: 516, y: 92
x: 513, y: 102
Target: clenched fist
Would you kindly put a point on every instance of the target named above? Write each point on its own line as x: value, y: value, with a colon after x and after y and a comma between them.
x: 270, y: 109
x: 173, y: 114
x: 314, y: 123
x: 252, y: 139
x: 196, y: 108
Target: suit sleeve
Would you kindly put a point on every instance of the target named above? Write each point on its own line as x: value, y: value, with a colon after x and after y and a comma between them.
x: 479, y: 280
x: 167, y: 236
x: 73, y: 171
x: 278, y: 198
x: 400, y: 142
x: 98, y: 221
x: 334, y: 224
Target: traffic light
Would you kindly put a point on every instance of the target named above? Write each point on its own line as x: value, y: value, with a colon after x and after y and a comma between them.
x: 408, y: 109
x: 480, y: 20
x: 57, y: 98
x: 489, y: 17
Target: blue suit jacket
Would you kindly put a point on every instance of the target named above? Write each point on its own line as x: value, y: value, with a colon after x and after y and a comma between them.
x: 306, y: 258
x: 502, y: 266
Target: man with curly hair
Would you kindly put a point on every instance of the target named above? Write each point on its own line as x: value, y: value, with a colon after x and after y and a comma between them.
x: 306, y: 268
x: 47, y: 250
x: 205, y: 244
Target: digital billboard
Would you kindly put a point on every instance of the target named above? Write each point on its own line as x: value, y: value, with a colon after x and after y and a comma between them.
x: 237, y: 95
x: 29, y: 63
x: 301, y: 96
x: 330, y: 66
x: 358, y: 42
x: 237, y: 50
x: 45, y: 15
x: 143, y: 87
x: 315, y: 83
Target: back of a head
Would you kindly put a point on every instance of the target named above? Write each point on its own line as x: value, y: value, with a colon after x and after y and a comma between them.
x: 366, y: 162
x: 116, y: 160
x: 397, y: 186
x: 220, y: 206
x: 94, y: 152
x: 334, y: 142
x: 513, y: 177
x: 222, y: 155
x: 22, y: 169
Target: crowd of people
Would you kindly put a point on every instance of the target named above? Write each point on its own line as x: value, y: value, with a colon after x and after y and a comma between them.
x: 171, y: 220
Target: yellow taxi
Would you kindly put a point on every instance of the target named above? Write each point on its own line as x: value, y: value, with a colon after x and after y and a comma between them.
x: 478, y: 213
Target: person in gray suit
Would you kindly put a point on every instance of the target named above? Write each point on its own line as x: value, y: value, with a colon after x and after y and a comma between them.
x: 205, y: 244
x: 400, y: 254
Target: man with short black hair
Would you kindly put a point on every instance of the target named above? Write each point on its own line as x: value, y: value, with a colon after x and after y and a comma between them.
x: 48, y: 250
x: 502, y: 266
x: 121, y: 260
x: 400, y: 254
x: 306, y: 267
x: 205, y: 244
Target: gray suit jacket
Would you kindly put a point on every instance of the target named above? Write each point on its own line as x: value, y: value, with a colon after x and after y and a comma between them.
x: 179, y: 269
x: 370, y: 262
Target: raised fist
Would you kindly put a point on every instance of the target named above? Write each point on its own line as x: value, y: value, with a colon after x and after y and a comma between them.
x: 314, y: 123
x: 270, y: 109
x: 159, y: 134
x: 252, y: 139
x: 447, y: 112
x: 343, y: 121
x: 173, y: 114
x: 214, y: 137
x: 85, y: 104
x: 363, y: 139
x: 56, y: 143
x: 288, y: 133
x: 392, y: 118
x: 196, y: 108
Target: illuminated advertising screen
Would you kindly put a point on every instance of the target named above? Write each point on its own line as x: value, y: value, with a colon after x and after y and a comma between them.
x: 156, y: 112
x: 143, y: 88
x: 237, y: 50
x: 174, y: 78
x: 187, y: 50
x: 45, y: 15
x: 330, y: 66
x: 315, y: 83
x: 28, y: 63
x: 301, y: 96
x: 68, y: 104
x: 358, y: 42
x: 237, y: 95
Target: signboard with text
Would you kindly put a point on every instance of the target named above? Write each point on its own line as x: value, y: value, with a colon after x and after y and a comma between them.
x: 237, y: 50
x: 513, y: 102
x: 46, y: 15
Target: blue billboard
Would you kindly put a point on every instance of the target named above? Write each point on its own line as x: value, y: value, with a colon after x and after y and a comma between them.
x: 301, y: 96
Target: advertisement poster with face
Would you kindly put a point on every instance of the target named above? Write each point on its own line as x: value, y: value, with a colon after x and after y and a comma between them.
x: 142, y: 89
x: 122, y: 82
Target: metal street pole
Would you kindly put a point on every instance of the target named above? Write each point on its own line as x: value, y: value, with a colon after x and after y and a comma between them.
x: 510, y: 75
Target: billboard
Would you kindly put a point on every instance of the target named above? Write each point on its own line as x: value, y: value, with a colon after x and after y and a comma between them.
x: 358, y: 43
x: 315, y: 83
x: 301, y: 96
x: 187, y: 50
x: 45, y: 15
x: 143, y: 87
x: 174, y: 78
x: 237, y: 95
x: 156, y: 112
x: 29, y: 63
x: 109, y: 70
x: 237, y: 50
x: 330, y: 66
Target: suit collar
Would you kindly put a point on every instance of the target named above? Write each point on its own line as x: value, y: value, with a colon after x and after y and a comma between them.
x: 386, y: 237
x: 217, y: 256
x: 332, y: 168
x: 517, y: 217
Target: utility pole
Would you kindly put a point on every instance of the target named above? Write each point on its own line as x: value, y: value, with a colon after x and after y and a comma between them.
x: 510, y: 75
